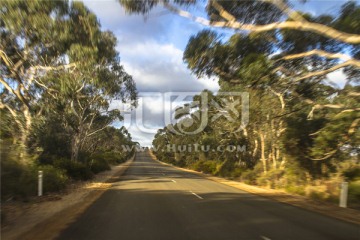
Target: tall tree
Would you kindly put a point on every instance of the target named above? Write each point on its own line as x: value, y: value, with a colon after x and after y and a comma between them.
x: 54, y: 55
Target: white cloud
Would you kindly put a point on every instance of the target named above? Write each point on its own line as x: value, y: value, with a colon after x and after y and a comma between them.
x: 159, y: 67
x: 338, y: 77
x: 151, y: 51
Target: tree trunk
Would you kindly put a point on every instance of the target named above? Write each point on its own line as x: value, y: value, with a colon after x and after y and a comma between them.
x: 75, y: 148
x: 262, y: 146
x: 27, y: 127
x: 255, y: 147
x: 25, y: 130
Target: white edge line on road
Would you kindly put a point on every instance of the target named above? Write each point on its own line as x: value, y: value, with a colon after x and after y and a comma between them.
x: 265, y: 238
x: 195, y: 194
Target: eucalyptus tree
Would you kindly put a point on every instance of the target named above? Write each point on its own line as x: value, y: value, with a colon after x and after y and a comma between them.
x: 32, y: 42
x: 55, y: 58
x: 307, y: 47
x: 282, y: 57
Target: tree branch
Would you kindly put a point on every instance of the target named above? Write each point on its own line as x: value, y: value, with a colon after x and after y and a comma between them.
x: 13, y: 114
x: 92, y: 133
x: 325, y: 54
x: 326, y: 156
x: 326, y: 71
x: 47, y: 68
x: 295, y: 25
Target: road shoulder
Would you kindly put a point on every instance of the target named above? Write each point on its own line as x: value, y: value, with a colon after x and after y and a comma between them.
x: 46, y: 219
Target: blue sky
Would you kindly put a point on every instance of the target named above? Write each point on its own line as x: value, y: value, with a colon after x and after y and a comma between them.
x: 151, y: 50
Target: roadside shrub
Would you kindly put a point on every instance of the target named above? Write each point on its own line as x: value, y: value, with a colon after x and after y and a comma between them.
x: 352, y: 174
x: 116, y: 157
x: 17, y: 180
x: 296, y: 189
x: 250, y: 176
x: 27, y: 185
x: 225, y: 169
x: 354, y: 192
x: 181, y: 163
x: 271, y: 179
x: 75, y: 170
x: 237, y: 172
x: 205, y: 166
x: 99, y: 165
x: 294, y: 175
x: 317, y: 192
x: 54, y: 179
x: 20, y: 181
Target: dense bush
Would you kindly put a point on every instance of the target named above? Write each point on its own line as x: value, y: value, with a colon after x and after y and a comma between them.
x: 296, y: 189
x: 112, y: 157
x: 352, y: 174
x: 17, y: 179
x: 54, y: 179
x: 20, y: 181
x: 271, y: 179
x: 249, y: 176
x: 99, y: 165
x: 317, y: 192
x: 75, y: 170
x: 205, y: 166
x: 354, y: 192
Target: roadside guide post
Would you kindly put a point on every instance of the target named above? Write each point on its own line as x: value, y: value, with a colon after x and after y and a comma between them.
x: 343, y: 194
x: 40, y: 184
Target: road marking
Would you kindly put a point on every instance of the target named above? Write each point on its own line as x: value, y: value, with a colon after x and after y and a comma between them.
x: 173, y: 181
x: 265, y: 238
x: 195, y: 194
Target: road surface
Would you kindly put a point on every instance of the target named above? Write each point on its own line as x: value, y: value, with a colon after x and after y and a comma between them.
x: 152, y: 201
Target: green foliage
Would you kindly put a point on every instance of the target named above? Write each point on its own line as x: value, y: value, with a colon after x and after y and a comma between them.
x: 317, y: 192
x: 352, y: 174
x: 75, y: 170
x: 205, y: 166
x: 250, y: 176
x: 296, y: 189
x: 272, y: 178
x: 354, y: 192
x: 20, y: 181
x: 66, y: 101
x: 17, y: 180
x: 295, y: 175
x: 55, y: 179
x: 99, y: 165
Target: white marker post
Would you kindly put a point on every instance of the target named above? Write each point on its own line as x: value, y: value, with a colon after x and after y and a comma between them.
x: 40, y: 184
x: 343, y: 194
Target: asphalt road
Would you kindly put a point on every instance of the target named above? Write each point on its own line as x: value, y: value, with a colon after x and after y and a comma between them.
x: 154, y: 201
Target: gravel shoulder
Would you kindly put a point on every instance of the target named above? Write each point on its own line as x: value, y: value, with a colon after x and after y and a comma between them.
x: 36, y: 215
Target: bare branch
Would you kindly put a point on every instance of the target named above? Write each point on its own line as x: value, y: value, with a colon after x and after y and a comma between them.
x: 281, y: 98
x: 347, y: 111
x: 48, y: 68
x: 6, y: 59
x: 354, y: 94
x: 295, y: 25
x: 98, y: 130
x: 322, y: 53
x: 7, y: 86
x: 81, y: 88
x: 326, y: 71
x: 222, y: 12
x: 326, y: 156
x: 353, y: 126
